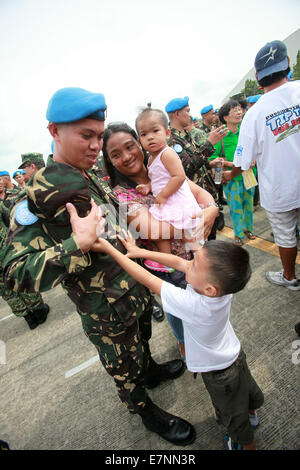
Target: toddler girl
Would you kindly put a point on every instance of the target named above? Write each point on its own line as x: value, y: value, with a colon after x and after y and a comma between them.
x: 174, y: 201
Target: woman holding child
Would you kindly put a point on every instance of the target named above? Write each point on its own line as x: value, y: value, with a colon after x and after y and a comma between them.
x: 126, y: 163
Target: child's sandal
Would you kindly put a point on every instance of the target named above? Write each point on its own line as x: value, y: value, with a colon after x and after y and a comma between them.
x: 238, y: 241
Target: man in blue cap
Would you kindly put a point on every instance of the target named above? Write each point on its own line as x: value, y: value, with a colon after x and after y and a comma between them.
x: 270, y: 134
x: 8, y: 184
x: 18, y: 176
x: 208, y: 118
x: 61, y: 213
x: 194, y: 157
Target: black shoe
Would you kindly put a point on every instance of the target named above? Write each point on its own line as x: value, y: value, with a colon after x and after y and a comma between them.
x: 172, y: 428
x: 41, y: 314
x: 31, y: 320
x: 297, y: 328
x: 157, y: 373
x: 4, y: 445
x: 158, y: 313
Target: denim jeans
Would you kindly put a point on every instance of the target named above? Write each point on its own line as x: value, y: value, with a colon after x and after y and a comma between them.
x: 176, y: 278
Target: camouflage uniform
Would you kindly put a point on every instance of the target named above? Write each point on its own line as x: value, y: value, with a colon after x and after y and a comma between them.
x: 204, y: 128
x: 32, y: 157
x: 115, y: 310
x: 194, y: 159
x: 198, y: 136
x: 20, y: 303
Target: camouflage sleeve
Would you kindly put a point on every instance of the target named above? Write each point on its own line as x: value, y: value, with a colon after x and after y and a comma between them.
x: 32, y: 262
x: 206, y: 149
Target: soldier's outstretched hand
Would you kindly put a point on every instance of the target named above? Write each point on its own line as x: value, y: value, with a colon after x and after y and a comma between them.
x: 85, y: 228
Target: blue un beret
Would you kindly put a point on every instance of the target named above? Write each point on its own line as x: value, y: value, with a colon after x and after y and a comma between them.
x: 206, y: 109
x: 4, y: 173
x: 73, y: 104
x: 19, y: 172
x: 253, y: 99
x: 176, y: 104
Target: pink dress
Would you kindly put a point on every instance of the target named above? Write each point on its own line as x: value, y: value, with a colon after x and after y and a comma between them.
x: 179, y: 206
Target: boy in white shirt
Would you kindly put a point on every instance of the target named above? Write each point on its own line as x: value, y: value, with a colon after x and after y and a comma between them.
x: 212, y: 348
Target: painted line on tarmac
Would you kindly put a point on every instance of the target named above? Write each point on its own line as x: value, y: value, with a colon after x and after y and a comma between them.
x: 259, y: 243
x: 82, y: 366
x: 8, y: 316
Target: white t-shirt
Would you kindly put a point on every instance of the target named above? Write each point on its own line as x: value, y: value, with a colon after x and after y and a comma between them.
x: 270, y: 134
x: 209, y: 339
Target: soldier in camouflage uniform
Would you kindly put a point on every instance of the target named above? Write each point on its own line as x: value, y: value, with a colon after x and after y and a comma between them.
x: 194, y: 158
x: 29, y: 306
x: 31, y: 163
x: 56, y: 246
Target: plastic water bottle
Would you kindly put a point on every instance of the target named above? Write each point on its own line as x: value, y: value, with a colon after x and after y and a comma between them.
x: 218, y: 173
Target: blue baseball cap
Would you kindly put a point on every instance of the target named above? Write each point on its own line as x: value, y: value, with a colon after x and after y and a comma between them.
x: 206, y: 109
x: 72, y: 104
x: 4, y: 173
x: 176, y: 104
x: 19, y: 172
x: 270, y: 59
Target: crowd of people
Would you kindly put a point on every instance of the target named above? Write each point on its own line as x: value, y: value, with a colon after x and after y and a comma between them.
x: 163, y: 177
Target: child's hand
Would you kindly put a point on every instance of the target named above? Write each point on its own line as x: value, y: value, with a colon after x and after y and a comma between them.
x: 133, y: 251
x: 101, y: 245
x: 144, y: 188
x: 160, y: 200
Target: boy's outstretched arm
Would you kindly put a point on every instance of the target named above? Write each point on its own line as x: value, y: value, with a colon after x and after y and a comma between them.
x: 134, y: 270
x: 133, y: 251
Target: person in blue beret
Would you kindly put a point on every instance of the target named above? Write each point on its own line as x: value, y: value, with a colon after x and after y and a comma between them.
x: 8, y: 184
x: 18, y: 176
x: 64, y: 217
x: 208, y: 119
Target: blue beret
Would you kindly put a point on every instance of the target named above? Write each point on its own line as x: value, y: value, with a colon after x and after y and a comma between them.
x: 176, y: 104
x: 4, y: 173
x: 206, y: 109
x: 73, y: 104
x: 19, y: 172
x: 253, y: 99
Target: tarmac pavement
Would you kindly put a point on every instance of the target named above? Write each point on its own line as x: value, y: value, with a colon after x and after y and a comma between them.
x: 56, y: 395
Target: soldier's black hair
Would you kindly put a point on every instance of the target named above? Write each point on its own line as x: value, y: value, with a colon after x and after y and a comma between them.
x: 225, y: 109
x: 229, y: 266
x: 115, y: 176
x: 162, y: 117
x: 273, y: 78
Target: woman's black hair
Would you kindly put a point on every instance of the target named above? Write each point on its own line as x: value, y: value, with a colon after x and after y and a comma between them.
x: 115, y: 176
x: 225, y: 109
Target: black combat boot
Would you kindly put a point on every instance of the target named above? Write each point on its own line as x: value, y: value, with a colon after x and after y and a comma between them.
x: 35, y: 318
x: 31, y: 320
x: 172, y: 428
x: 41, y: 314
x: 157, y: 373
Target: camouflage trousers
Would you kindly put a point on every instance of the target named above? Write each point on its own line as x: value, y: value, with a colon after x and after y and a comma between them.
x: 20, y: 303
x: 123, y: 349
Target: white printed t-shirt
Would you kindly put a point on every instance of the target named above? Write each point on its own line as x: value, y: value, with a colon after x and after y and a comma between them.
x: 270, y: 134
x: 209, y: 339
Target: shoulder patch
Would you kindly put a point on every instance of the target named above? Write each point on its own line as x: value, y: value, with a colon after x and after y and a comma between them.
x: 23, y: 215
x: 177, y: 148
